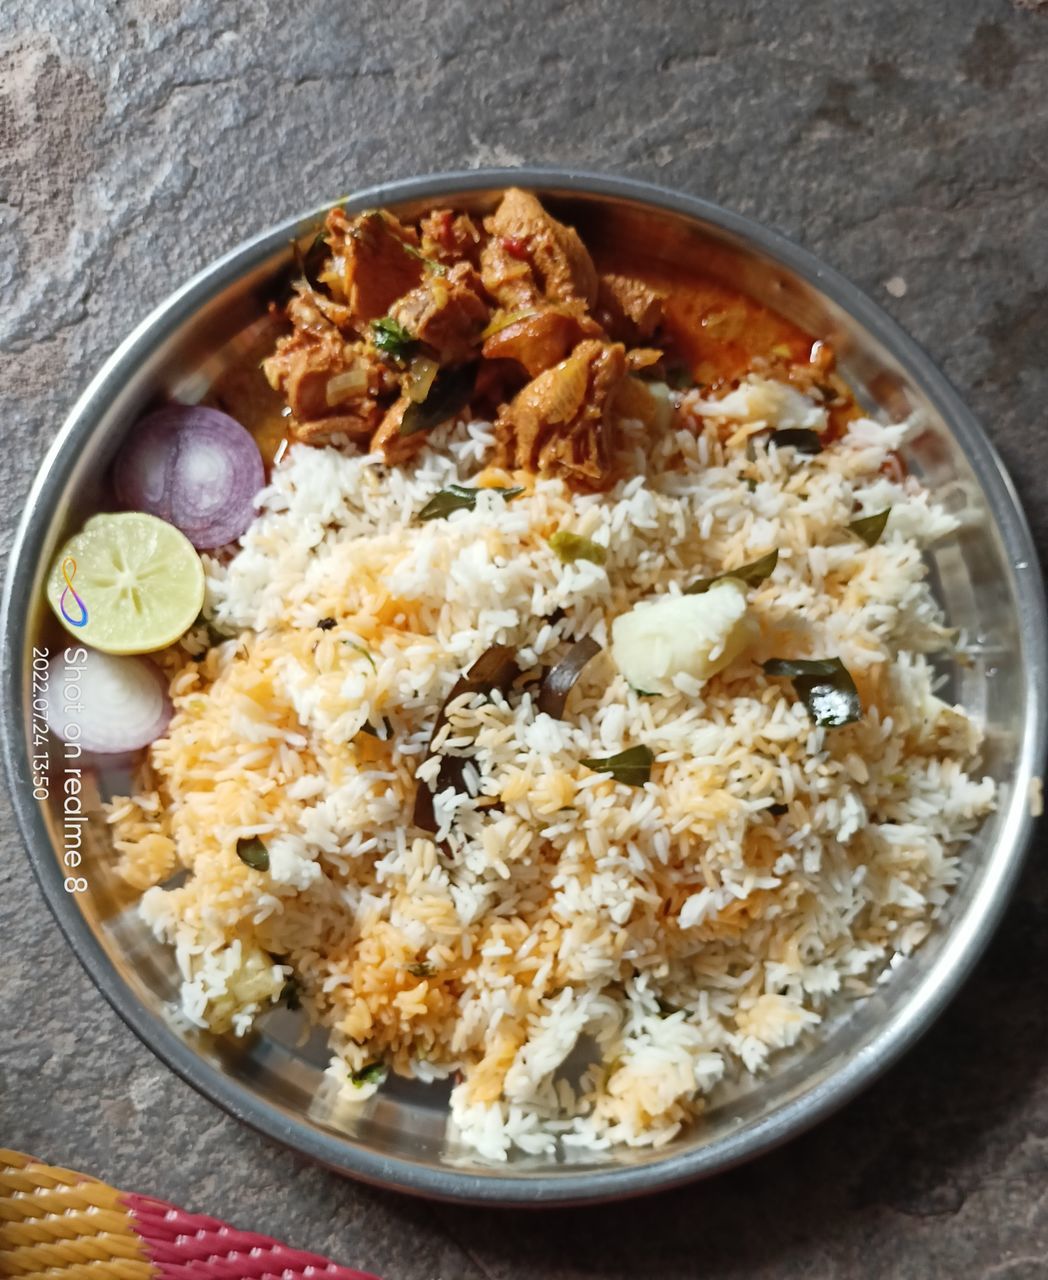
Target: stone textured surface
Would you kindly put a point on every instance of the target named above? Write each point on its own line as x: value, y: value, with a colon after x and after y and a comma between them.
x: 905, y: 143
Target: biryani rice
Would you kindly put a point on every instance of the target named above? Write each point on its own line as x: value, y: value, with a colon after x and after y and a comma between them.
x: 587, y: 958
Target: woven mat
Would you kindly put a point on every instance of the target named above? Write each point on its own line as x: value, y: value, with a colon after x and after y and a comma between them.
x: 59, y: 1225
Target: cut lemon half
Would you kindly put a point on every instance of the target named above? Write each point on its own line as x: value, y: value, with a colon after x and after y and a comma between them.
x: 127, y: 583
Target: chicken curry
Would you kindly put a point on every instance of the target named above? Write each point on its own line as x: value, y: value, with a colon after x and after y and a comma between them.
x: 397, y: 327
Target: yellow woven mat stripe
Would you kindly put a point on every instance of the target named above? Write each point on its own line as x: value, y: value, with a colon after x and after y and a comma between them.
x: 59, y: 1225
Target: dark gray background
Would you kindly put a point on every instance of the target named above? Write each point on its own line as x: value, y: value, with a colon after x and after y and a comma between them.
x: 904, y: 141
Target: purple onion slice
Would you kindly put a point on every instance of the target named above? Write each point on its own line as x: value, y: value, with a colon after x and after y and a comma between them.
x: 195, y: 467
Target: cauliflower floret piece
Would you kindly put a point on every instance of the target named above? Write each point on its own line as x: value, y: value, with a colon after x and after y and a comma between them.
x: 239, y: 982
x: 694, y: 635
x: 762, y: 400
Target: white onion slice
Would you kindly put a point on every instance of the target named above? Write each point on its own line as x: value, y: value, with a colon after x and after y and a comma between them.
x: 106, y: 704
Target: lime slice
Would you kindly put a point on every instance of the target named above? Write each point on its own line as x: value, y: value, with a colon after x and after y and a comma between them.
x: 127, y: 583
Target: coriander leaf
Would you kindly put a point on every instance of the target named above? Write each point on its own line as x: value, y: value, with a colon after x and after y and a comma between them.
x: 632, y: 766
x: 569, y: 547
x: 752, y: 574
x: 431, y: 264
x: 253, y: 853
x: 824, y: 685
x: 458, y: 497
x: 870, y: 528
x: 215, y: 634
x: 800, y: 438
x: 421, y: 970
x: 558, y: 681
x: 373, y: 1073
x: 449, y: 394
x: 364, y: 652
x: 392, y: 339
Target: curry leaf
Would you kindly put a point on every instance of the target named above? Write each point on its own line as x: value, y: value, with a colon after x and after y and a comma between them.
x: 752, y: 574
x: 449, y: 394
x: 290, y: 995
x: 800, y: 438
x: 458, y: 497
x: 870, y: 528
x: 632, y: 766
x: 253, y: 853
x: 569, y: 547
x: 824, y: 685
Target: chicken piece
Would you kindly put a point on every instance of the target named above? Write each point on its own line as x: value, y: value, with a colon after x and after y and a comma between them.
x: 563, y: 422
x: 554, y: 255
x: 448, y: 313
x: 323, y: 377
x: 316, y: 312
x: 357, y: 425
x: 508, y: 278
x: 449, y: 237
x: 374, y: 260
x: 536, y: 340
x: 637, y: 400
x: 497, y: 382
x: 630, y: 310
x: 388, y: 441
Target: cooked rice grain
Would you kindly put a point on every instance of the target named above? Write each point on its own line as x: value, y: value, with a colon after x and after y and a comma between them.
x: 663, y: 938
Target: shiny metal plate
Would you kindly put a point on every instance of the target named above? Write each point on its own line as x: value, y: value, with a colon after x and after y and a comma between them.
x: 986, y: 576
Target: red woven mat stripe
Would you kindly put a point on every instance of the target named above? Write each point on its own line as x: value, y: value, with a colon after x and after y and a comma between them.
x: 190, y: 1246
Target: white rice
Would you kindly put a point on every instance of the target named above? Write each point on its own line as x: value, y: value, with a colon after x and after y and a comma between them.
x: 664, y: 938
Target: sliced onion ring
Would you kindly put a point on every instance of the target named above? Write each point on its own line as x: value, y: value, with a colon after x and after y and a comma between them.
x: 106, y: 704
x: 195, y: 467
